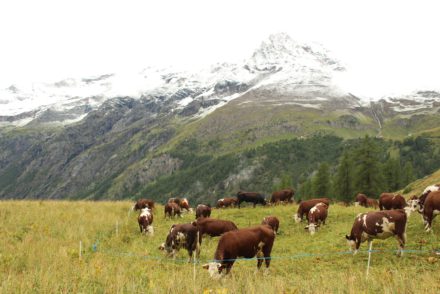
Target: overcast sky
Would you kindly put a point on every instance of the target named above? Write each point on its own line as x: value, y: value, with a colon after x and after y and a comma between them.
x: 386, y: 45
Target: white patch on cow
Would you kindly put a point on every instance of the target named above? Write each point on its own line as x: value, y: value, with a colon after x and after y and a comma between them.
x: 145, y: 212
x: 260, y: 250
x: 223, y: 199
x: 352, y: 245
x: 435, y: 211
x: 312, y: 229
x: 297, y: 218
x: 364, y: 218
x: 431, y: 188
x: 314, y: 208
x: 387, y: 229
x: 181, y: 238
x: 356, y: 204
x: 150, y: 230
x: 213, y: 270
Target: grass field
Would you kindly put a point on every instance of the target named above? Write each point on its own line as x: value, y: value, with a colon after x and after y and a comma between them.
x: 39, y: 252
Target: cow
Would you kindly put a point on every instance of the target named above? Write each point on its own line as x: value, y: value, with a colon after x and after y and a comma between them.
x: 142, y: 203
x: 253, y: 197
x: 273, y: 222
x: 420, y: 201
x: 227, y: 202
x: 431, y: 207
x: 389, y: 201
x: 305, y: 206
x: 184, y: 204
x: 247, y: 243
x: 361, y: 199
x: 285, y: 195
x: 372, y: 203
x: 317, y: 215
x: 203, y: 210
x: 213, y: 227
x: 171, y: 209
x: 182, y: 236
x: 379, y: 225
x: 145, y: 220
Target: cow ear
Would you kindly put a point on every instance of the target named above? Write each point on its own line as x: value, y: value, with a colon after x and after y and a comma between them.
x: 347, y: 237
x: 194, y: 223
x: 206, y: 266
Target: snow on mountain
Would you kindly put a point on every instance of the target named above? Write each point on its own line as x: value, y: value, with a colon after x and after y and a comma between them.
x: 294, y: 72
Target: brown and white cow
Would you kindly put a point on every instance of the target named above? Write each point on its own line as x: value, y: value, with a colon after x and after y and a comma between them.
x: 361, y: 199
x: 389, y: 201
x: 203, y: 210
x: 227, y: 202
x: 419, y: 202
x: 213, y: 227
x: 184, y: 204
x: 317, y: 215
x: 305, y: 206
x: 182, y: 236
x: 273, y: 222
x: 285, y: 196
x: 247, y: 243
x: 171, y: 209
x: 379, y: 225
x: 145, y: 220
x: 431, y: 208
x: 142, y: 203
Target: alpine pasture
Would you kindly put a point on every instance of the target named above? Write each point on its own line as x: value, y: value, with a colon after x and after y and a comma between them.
x: 39, y: 252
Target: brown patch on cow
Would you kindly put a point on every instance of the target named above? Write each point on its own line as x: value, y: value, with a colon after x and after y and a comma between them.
x: 305, y: 206
x: 171, y: 209
x: 203, y: 210
x: 282, y: 196
x: 213, y: 227
x: 227, y: 202
x: 389, y: 201
x: 247, y: 243
x: 143, y: 203
x: 431, y: 209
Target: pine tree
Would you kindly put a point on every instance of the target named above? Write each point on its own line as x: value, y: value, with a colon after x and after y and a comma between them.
x: 343, y: 183
x: 321, y: 181
x: 407, y: 173
x: 368, y: 174
x: 305, y: 190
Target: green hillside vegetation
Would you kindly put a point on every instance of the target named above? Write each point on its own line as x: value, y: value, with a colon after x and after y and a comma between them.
x: 39, y: 252
x: 417, y: 187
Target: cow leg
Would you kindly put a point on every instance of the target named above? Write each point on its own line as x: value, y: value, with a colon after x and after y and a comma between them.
x: 401, y: 238
x: 255, y: 204
x: 190, y: 253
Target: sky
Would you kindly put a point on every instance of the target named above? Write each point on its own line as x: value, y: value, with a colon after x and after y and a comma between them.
x: 387, y: 46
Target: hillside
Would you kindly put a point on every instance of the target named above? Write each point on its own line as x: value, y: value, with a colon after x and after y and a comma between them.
x: 39, y: 252
x: 417, y: 187
x: 163, y: 131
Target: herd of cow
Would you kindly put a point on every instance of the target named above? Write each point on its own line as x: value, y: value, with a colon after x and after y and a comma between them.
x: 258, y: 240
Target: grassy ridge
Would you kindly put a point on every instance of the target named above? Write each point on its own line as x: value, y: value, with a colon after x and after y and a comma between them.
x: 39, y: 251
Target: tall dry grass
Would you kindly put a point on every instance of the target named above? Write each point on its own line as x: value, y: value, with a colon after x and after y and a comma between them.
x: 39, y: 252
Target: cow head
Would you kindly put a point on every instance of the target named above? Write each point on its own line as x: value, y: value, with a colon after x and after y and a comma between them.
x: 351, y: 241
x: 312, y: 228
x: 214, y: 269
x: 297, y: 218
x: 415, y: 205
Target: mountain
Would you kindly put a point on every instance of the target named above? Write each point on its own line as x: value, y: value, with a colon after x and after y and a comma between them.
x: 113, y: 135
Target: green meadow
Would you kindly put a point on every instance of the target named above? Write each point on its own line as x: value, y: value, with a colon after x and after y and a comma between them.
x: 40, y: 252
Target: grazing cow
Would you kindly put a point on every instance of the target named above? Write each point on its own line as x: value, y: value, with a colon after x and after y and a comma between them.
x: 247, y: 243
x: 203, y: 210
x: 317, y: 215
x: 227, y: 202
x: 182, y: 236
x: 379, y: 225
x: 361, y: 199
x: 422, y: 198
x: 184, y: 204
x: 431, y: 207
x: 213, y: 227
x: 142, y: 203
x: 171, y: 209
x: 285, y: 195
x: 389, y: 201
x: 273, y: 222
x: 253, y: 197
x: 305, y: 206
x: 145, y: 221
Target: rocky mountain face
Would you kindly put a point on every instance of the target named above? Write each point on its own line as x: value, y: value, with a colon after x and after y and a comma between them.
x: 112, y: 135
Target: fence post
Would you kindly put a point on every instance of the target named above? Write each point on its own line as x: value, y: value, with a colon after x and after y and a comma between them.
x: 370, y: 243
x: 80, y: 249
